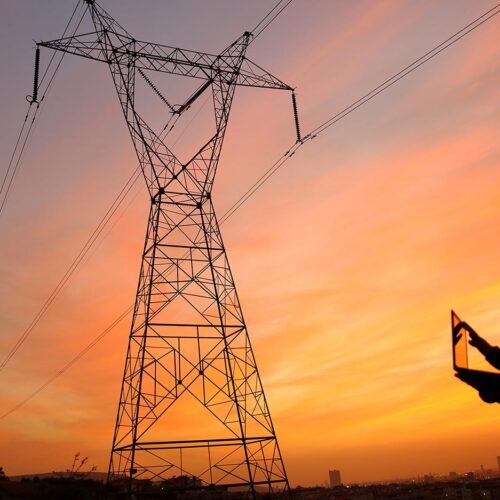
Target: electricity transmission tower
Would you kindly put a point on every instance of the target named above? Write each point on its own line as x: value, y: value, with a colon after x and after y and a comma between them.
x: 189, y: 355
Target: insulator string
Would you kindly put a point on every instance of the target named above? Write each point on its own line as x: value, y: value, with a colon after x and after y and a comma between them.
x: 256, y: 32
x: 155, y: 89
x: 34, y: 98
x: 296, y: 116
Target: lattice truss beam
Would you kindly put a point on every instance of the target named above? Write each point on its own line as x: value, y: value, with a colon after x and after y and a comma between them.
x: 189, y: 348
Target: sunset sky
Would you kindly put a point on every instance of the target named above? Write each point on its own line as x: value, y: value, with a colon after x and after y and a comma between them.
x: 347, y: 261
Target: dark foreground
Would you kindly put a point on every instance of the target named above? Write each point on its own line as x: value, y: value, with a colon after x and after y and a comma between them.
x: 87, y: 489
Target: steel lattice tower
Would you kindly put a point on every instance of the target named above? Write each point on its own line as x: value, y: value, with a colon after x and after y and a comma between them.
x: 188, y: 343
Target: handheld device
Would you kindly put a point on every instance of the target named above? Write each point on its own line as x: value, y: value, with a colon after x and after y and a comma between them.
x: 460, y: 341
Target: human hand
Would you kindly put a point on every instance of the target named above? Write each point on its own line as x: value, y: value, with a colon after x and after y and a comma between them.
x: 475, y: 340
x: 469, y: 378
x: 487, y: 384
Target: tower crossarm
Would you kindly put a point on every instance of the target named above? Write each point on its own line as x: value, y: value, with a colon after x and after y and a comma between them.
x: 162, y: 58
x: 252, y: 75
x: 88, y: 45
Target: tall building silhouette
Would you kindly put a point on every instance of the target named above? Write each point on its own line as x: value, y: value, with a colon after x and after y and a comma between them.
x: 334, y: 476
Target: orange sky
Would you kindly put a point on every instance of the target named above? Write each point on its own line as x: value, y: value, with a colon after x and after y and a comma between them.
x: 347, y: 262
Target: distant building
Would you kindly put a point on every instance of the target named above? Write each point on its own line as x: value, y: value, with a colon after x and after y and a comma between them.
x: 334, y: 476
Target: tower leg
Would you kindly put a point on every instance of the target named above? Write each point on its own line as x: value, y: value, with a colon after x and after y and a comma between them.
x: 192, y: 411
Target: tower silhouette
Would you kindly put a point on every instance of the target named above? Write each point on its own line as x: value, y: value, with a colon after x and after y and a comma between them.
x: 192, y: 410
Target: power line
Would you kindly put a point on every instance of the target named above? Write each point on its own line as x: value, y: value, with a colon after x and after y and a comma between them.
x: 73, y: 266
x: 94, y: 341
x: 24, y: 137
x: 361, y: 101
x: 286, y: 156
x: 78, y: 3
x: 68, y: 365
x: 408, y: 69
x: 19, y: 137
x: 30, y: 107
x: 270, y: 17
x: 8, y: 182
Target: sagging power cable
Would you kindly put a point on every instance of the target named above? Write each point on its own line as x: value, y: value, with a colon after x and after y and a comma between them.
x: 32, y: 113
x: 70, y: 363
x: 389, y: 82
x: 269, y: 18
x: 73, y: 266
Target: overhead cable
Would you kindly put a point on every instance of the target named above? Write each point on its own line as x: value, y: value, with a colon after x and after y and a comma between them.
x: 73, y: 266
x: 270, y: 17
x: 25, y: 134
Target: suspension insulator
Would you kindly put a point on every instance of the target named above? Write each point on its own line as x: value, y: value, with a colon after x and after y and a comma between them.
x: 296, y: 116
x: 156, y: 91
x: 34, y: 98
x: 193, y: 98
x: 37, y: 69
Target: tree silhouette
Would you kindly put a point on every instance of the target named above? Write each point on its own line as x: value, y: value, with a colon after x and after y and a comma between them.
x: 3, y: 477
